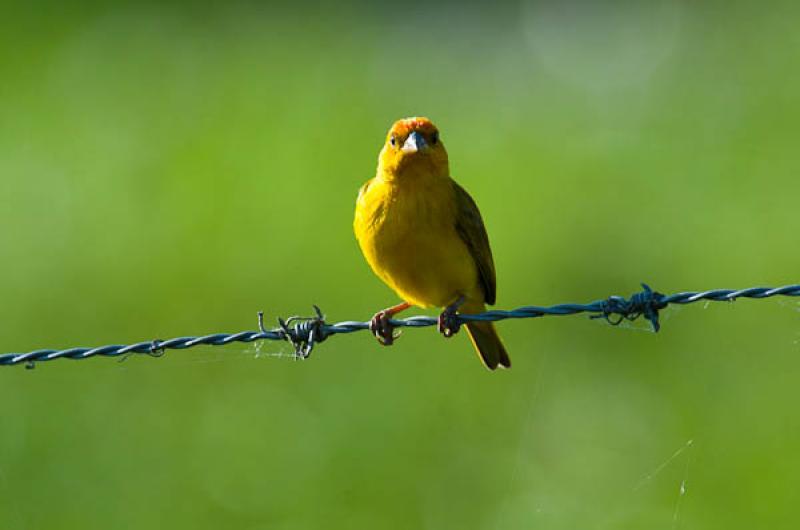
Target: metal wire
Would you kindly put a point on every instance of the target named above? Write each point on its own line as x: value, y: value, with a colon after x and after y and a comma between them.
x: 305, y: 332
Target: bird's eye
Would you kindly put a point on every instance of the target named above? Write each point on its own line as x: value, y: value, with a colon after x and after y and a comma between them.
x: 435, y: 137
x: 393, y: 140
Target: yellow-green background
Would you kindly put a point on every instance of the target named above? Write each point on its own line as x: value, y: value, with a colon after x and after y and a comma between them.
x: 170, y: 169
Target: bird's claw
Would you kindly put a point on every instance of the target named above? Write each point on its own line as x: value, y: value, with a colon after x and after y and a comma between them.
x: 448, y: 324
x: 381, y: 326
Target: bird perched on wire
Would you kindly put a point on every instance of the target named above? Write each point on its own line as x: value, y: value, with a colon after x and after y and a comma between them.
x: 423, y: 235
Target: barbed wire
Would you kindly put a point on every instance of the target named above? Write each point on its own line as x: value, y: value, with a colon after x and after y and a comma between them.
x: 306, y: 332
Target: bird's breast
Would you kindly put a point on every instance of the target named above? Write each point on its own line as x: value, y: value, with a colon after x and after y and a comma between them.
x: 407, y: 233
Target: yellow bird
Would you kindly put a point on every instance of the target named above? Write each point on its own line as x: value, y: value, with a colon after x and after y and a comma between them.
x: 423, y: 235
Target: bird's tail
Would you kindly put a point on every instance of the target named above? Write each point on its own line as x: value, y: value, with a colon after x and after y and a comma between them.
x: 487, y: 342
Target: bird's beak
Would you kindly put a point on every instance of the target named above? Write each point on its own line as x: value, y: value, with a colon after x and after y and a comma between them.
x: 415, y: 142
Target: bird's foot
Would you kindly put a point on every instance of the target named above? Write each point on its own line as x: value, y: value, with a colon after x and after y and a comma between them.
x: 381, y: 326
x: 448, y: 323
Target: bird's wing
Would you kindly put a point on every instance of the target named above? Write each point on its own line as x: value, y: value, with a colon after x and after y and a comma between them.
x: 363, y: 189
x: 469, y: 226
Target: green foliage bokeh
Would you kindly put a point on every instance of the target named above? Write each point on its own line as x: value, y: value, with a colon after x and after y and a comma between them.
x: 169, y: 170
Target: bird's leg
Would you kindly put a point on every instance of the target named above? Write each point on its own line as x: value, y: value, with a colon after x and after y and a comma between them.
x: 447, y: 325
x: 380, y: 325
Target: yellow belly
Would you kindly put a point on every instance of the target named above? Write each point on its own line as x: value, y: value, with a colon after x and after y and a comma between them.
x: 408, y: 236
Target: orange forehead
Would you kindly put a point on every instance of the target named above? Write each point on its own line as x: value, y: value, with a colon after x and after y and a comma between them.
x: 407, y: 125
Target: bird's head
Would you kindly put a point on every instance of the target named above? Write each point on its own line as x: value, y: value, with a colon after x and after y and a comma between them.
x: 413, y: 147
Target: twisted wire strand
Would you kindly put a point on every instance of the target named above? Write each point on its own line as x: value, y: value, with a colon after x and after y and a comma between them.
x: 305, y: 332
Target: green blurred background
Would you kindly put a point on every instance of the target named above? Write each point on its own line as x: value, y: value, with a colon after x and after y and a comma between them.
x: 168, y: 169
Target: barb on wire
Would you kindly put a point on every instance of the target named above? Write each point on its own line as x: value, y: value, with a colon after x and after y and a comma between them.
x: 303, y: 333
